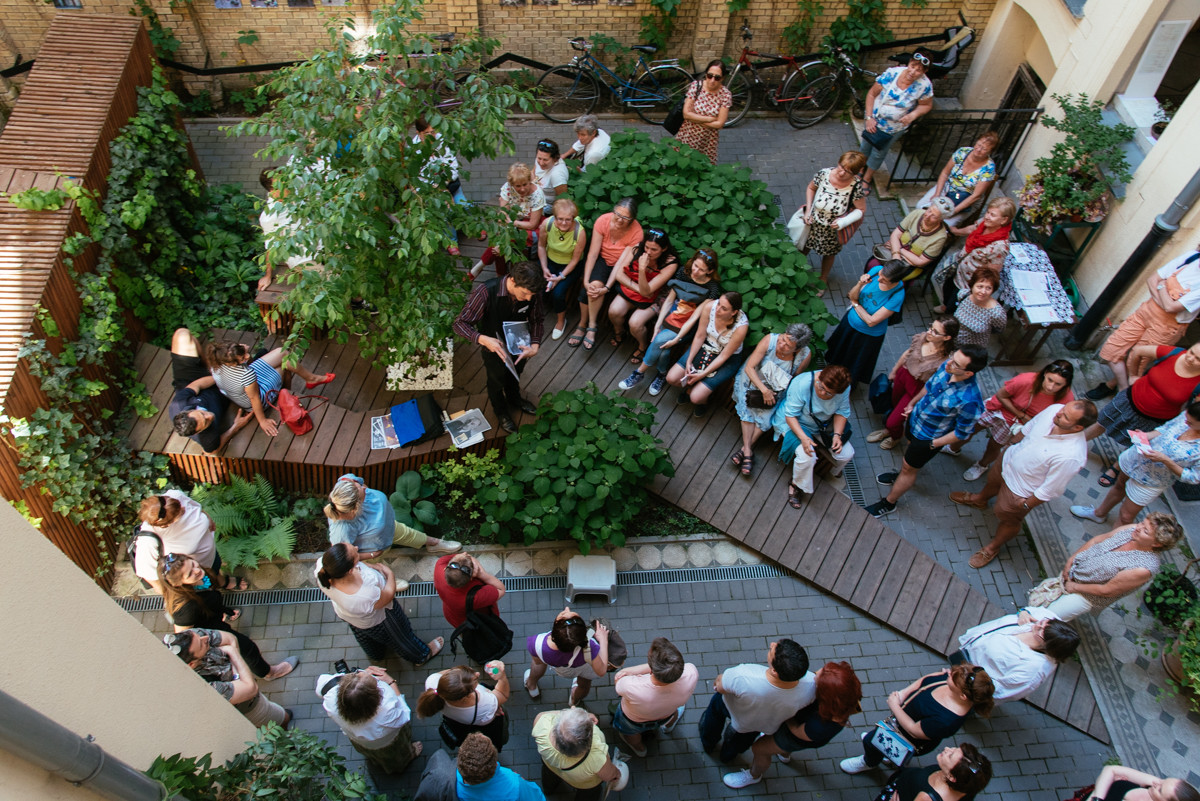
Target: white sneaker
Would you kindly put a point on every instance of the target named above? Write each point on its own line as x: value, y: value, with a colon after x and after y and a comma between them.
x: 784, y: 758
x: 739, y: 779
x: 667, y: 728
x: 975, y: 472
x: 951, y: 451
x: 1088, y: 513
x: 854, y: 765
x: 877, y: 435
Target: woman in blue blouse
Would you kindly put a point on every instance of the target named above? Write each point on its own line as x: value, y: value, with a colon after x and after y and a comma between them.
x: 858, y: 338
x: 1173, y: 455
x: 363, y: 517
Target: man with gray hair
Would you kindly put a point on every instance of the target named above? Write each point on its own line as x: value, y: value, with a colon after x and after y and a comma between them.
x: 593, y: 143
x: 573, y: 750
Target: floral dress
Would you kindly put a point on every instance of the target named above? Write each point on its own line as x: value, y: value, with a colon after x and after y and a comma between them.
x: 776, y: 373
x: 698, y: 136
x: 829, y: 203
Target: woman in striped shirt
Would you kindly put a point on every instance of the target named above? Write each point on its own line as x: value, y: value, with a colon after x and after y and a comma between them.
x: 246, y: 381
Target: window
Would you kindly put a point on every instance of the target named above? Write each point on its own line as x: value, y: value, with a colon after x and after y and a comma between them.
x: 68, y: 3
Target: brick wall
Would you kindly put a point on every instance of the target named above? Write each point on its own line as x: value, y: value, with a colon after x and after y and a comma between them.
x: 704, y: 28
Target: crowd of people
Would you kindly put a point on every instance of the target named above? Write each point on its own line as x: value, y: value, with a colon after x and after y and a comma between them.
x: 691, y: 333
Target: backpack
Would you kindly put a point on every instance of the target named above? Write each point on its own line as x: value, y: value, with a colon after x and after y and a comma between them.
x: 484, y: 637
x: 132, y: 545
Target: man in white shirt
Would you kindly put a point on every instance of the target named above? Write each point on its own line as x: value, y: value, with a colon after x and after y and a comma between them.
x: 368, y: 707
x: 757, y: 698
x: 1036, y: 467
x: 1161, y: 320
x: 593, y: 143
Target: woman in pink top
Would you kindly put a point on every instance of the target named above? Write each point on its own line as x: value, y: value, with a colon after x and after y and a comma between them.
x: 614, y: 237
x: 1018, y: 401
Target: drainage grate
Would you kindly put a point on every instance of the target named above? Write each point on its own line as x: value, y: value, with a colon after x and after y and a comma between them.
x: 853, y: 485
x: 424, y: 589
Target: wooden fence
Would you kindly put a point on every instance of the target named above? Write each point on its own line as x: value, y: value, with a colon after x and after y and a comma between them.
x: 82, y: 90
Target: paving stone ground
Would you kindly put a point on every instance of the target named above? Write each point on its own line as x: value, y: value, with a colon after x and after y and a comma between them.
x: 1150, y: 732
x: 717, y: 625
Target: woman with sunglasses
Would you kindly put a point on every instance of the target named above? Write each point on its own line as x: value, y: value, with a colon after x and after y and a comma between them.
x: 1017, y: 402
x: 960, y: 772
x: 928, y: 351
x: 572, y: 651
x: 191, y: 598
x: 614, y: 238
x: 639, y: 285
x: 705, y: 108
x: 929, y: 710
x: 550, y: 172
x: 174, y: 523
x: 833, y: 194
x: 561, y: 244
x: 721, y: 328
x: 247, y: 380
x: 897, y: 98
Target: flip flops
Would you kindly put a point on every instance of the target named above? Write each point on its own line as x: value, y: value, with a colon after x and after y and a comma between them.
x: 536, y: 691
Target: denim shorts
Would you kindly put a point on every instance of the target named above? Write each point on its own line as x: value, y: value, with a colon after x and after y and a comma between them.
x: 627, y: 726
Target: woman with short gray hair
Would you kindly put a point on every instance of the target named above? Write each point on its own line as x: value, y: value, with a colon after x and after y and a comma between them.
x: 573, y: 750
x: 593, y: 143
x: 762, y: 380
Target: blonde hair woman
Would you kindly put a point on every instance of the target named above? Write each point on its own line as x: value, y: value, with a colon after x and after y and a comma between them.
x: 363, y: 517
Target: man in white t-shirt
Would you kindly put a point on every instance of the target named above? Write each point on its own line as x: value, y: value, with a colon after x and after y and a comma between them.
x: 369, y: 709
x: 593, y: 143
x: 653, y: 695
x: 757, y: 698
x: 1174, y: 302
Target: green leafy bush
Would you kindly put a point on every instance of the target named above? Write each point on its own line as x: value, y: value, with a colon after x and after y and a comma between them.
x: 458, y: 481
x: 411, y: 502
x: 719, y: 207
x: 283, y: 765
x: 580, y: 471
x: 1170, y: 596
x: 252, y: 523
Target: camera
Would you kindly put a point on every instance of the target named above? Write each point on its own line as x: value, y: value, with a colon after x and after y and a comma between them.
x: 340, y: 666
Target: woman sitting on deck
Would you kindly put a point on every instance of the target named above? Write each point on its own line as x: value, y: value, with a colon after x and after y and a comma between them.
x: 246, y: 380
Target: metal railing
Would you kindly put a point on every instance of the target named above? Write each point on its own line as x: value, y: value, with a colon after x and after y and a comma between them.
x: 928, y: 145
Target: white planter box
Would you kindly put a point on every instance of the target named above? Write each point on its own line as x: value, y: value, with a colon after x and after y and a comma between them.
x: 439, y: 375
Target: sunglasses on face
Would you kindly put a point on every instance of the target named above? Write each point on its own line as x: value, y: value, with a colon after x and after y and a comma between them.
x: 921, y: 59
x: 711, y: 77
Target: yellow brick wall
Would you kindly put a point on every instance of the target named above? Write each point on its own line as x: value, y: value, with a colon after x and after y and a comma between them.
x: 704, y: 28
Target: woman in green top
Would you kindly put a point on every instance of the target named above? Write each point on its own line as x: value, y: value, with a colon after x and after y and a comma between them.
x: 919, y: 239
x: 561, y: 245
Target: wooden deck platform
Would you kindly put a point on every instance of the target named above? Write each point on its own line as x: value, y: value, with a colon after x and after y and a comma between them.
x: 830, y: 542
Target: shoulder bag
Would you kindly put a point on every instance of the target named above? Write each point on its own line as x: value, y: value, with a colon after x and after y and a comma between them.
x: 879, y: 394
x: 484, y: 636
x: 674, y: 120
x: 825, y: 427
x: 798, y: 229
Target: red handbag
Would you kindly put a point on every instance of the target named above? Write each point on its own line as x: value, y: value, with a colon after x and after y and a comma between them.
x: 292, y: 411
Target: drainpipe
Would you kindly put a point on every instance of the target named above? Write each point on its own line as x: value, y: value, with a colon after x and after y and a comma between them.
x: 39, y: 740
x: 1165, y: 225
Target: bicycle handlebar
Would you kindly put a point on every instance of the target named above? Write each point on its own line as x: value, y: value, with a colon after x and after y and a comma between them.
x: 581, y: 44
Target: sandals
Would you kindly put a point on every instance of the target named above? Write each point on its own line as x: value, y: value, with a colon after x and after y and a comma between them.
x: 236, y: 584
x: 747, y: 465
x: 737, y: 458
x: 575, y: 338
x: 234, y: 615
x: 795, y: 497
x: 636, y: 358
x: 435, y: 648
x: 1108, y: 477
x: 589, y: 339
x: 616, y: 340
x: 536, y: 691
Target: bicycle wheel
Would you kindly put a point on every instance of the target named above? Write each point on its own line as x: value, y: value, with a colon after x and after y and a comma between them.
x: 566, y: 93
x: 797, y: 79
x: 815, y: 102
x: 739, y: 86
x: 447, y: 88
x: 656, y: 92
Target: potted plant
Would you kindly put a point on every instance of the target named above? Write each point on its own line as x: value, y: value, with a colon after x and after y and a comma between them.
x: 1072, y: 182
x: 1162, y: 117
x: 1175, y: 603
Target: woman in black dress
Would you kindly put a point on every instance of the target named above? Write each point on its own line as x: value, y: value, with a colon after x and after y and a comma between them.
x: 960, y: 772
x: 191, y: 598
x: 1117, y: 783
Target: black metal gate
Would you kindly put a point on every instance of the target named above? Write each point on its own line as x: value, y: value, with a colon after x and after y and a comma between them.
x: 932, y: 139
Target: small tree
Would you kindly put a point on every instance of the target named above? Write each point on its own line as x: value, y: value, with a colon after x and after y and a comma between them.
x: 367, y: 200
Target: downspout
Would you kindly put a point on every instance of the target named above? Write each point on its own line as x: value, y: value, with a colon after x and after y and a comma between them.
x: 1165, y: 225
x: 39, y: 740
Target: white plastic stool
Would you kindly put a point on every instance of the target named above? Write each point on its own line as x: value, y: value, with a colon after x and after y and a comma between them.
x: 592, y: 575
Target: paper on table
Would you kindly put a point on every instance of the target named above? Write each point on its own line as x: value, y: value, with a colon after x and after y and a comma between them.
x: 1041, y: 314
x: 1033, y: 297
x: 1026, y: 279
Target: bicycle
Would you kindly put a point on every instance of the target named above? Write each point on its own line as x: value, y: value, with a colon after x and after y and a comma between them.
x: 817, y: 99
x: 572, y: 90
x: 742, y: 89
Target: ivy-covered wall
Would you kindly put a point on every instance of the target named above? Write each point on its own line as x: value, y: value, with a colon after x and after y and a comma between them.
x: 703, y: 29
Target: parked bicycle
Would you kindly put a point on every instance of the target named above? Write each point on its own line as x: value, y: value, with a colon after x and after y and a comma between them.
x: 744, y: 79
x: 817, y: 99
x: 571, y: 90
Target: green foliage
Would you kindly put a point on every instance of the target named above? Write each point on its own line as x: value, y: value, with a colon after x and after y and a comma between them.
x: 199, y: 105
x: 657, y: 27
x: 1074, y: 178
x: 735, y: 6
x: 282, y: 765
x: 162, y: 39
x: 247, y: 38
x: 865, y: 24
x: 523, y: 78
x: 252, y: 522
x: 252, y: 99
x: 38, y: 199
x: 1170, y: 596
x: 580, y: 471
x: 411, y: 501
x: 612, y: 51
x: 458, y: 480
x: 796, y: 35
x: 354, y: 185
x: 308, y: 508
x: 718, y: 207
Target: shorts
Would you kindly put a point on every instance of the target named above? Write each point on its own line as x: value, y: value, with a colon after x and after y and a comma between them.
x: 637, y: 304
x: 583, y: 671
x: 1120, y: 415
x: 601, y: 270
x: 1142, y: 494
x: 626, y: 726
x: 998, y: 427
x: 1010, y: 507
x: 186, y: 369
x: 919, y: 452
x: 789, y: 742
x: 1148, y: 325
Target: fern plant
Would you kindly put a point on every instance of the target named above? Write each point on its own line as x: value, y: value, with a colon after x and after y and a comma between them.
x: 252, y: 522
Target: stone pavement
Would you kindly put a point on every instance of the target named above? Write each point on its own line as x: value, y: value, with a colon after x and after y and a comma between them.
x: 1158, y: 735
x: 716, y: 624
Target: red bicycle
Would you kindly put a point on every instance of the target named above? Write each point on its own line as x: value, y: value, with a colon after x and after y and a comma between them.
x: 745, y: 78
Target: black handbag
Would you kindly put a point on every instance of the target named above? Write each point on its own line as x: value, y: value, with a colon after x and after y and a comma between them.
x: 496, y: 730
x: 825, y: 430
x: 756, y: 400
x: 674, y: 120
x: 879, y: 394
